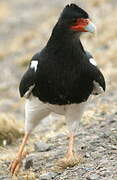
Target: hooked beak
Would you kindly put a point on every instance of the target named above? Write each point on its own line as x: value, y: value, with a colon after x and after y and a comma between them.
x: 84, y: 25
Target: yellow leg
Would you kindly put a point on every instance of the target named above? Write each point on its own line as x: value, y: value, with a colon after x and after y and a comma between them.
x: 70, y: 158
x: 16, y: 163
x: 69, y: 154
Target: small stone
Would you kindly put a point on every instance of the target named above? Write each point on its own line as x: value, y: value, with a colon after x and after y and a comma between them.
x: 48, y: 176
x: 42, y: 146
x: 87, y: 155
x: 112, y: 147
x: 93, y: 177
x: 4, y: 177
x: 28, y: 162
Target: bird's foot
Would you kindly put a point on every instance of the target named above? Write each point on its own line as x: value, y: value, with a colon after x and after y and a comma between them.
x: 70, y: 160
x: 16, y: 163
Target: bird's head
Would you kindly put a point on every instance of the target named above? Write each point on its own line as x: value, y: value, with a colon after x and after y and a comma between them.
x: 76, y: 19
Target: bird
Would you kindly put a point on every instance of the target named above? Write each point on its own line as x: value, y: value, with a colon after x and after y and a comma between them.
x: 60, y: 78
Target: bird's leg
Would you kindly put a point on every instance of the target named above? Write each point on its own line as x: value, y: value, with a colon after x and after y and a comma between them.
x: 69, y: 154
x: 16, y: 163
x: 73, y: 116
x: 70, y: 158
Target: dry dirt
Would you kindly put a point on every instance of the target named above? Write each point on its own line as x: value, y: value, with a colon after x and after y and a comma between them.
x: 25, y: 27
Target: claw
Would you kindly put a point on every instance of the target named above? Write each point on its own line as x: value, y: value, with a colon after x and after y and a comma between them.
x: 17, y: 168
x: 69, y: 161
x: 70, y: 158
x: 16, y: 164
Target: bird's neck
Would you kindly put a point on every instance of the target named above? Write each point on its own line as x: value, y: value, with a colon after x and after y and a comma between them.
x: 63, y: 41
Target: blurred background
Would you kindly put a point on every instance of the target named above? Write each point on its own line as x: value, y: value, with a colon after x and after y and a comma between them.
x: 25, y: 27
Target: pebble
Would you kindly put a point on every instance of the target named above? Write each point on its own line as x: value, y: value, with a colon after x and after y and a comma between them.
x: 48, y: 176
x: 42, y: 146
x: 28, y: 162
x: 87, y: 155
x: 112, y: 147
x: 93, y: 177
x: 4, y: 177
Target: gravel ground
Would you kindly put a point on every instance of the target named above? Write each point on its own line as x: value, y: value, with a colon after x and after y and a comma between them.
x: 25, y: 28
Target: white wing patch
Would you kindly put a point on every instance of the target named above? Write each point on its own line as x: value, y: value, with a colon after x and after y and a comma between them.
x: 34, y: 65
x: 92, y: 61
x: 97, y: 88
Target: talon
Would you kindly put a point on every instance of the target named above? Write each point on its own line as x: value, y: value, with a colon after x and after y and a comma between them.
x: 17, y: 168
x: 16, y: 164
x: 70, y: 158
x: 69, y: 161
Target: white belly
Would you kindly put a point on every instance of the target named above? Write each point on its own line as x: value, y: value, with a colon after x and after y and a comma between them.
x: 36, y: 110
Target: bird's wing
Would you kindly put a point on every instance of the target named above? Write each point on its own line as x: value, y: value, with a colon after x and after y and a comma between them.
x: 28, y: 80
x: 95, y: 74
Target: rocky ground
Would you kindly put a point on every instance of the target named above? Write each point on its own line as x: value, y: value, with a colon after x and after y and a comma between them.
x: 25, y: 28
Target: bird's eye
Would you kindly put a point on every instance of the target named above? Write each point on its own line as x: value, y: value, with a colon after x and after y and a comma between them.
x: 74, y: 20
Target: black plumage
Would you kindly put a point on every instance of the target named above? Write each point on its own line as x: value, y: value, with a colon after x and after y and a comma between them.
x: 64, y: 73
x: 60, y: 79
